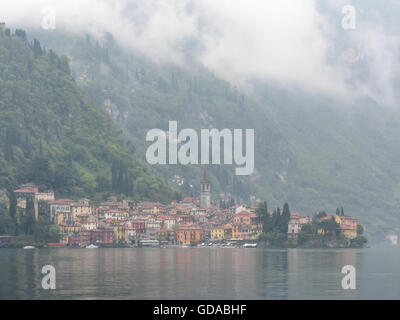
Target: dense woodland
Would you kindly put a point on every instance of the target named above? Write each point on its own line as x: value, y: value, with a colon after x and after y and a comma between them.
x: 53, y: 135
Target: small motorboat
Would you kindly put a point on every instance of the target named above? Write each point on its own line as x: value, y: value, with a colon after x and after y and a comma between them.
x: 92, y: 246
x: 28, y: 248
x: 250, y: 245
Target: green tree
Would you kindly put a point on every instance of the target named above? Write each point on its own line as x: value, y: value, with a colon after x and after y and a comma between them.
x: 13, y: 204
x: 321, y: 214
x: 37, y: 49
x: 28, y: 220
x: 263, y: 214
x: 7, y: 224
x: 360, y: 230
x: 285, y: 218
x: 53, y: 135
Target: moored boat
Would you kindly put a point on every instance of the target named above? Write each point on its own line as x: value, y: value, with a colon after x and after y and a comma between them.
x: 92, y: 246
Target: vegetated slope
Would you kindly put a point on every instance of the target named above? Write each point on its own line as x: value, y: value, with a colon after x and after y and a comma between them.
x: 52, y: 135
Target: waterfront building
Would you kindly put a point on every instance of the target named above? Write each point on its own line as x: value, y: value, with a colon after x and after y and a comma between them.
x: 348, y: 225
x: 294, y: 227
x: 166, y: 235
x: 217, y: 233
x: 189, y: 234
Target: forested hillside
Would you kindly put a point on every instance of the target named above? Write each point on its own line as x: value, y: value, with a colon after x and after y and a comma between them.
x: 140, y: 95
x: 54, y: 136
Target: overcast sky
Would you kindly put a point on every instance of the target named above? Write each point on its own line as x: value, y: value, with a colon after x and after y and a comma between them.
x: 295, y: 43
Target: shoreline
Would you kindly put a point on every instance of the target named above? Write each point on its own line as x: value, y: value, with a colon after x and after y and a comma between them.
x: 184, y: 247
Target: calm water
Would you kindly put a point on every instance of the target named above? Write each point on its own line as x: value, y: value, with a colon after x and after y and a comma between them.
x: 199, y: 273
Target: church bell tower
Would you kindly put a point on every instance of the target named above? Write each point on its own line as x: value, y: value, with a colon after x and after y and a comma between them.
x: 205, y: 198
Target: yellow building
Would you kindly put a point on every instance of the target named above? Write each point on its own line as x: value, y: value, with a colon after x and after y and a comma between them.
x: 149, y: 208
x: 187, y: 235
x: 348, y: 225
x: 71, y: 229
x: 350, y: 234
x: 78, y: 209
x: 64, y: 218
x: 120, y: 233
x: 228, y: 231
x: 217, y: 233
x: 236, y: 231
x: 243, y: 217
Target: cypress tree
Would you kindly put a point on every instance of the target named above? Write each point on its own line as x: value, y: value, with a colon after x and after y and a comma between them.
x: 13, y: 203
x: 285, y: 218
x: 262, y: 212
x: 29, y: 219
x: 278, y: 219
x: 37, y: 49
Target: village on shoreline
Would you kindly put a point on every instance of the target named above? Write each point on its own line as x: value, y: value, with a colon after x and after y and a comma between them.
x: 43, y: 221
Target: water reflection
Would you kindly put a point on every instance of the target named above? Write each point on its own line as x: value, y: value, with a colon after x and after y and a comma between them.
x: 199, y: 273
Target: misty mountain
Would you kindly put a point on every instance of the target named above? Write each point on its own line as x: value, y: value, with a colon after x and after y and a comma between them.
x: 315, y: 151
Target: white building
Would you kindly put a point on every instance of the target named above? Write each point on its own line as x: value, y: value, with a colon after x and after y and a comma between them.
x: 44, y: 196
x: 393, y: 239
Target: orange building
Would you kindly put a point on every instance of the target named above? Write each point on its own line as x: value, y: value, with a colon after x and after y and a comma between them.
x: 236, y: 231
x: 189, y: 234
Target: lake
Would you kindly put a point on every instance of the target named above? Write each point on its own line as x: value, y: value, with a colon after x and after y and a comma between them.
x: 200, y: 273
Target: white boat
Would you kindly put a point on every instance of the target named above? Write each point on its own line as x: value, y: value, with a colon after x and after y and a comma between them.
x: 250, y: 245
x: 29, y: 248
x: 92, y: 246
x: 149, y: 243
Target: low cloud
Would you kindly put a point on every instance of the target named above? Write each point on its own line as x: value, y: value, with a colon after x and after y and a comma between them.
x: 293, y: 43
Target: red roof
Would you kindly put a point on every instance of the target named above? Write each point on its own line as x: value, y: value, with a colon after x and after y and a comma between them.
x: 56, y: 244
x: 188, y: 200
x: 24, y: 190
x: 347, y: 218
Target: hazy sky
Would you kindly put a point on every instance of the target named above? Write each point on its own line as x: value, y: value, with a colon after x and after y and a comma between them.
x: 295, y: 43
